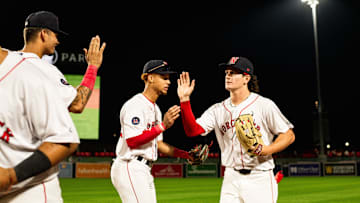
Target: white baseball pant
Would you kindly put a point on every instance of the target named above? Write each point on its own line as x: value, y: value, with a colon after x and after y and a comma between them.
x: 133, y: 181
x: 258, y: 186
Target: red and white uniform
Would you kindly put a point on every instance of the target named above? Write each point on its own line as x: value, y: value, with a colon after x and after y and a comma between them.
x: 132, y: 178
x: 221, y: 118
x: 66, y: 91
x: 31, y: 112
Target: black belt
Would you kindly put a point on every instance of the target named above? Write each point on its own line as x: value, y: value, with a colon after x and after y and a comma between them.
x: 147, y: 162
x: 243, y: 171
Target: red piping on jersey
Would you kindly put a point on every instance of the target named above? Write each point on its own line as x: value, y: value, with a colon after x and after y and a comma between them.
x: 132, y: 186
x: 44, y: 192
x: 242, y: 160
x: 191, y: 127
x: 145, y: 137
x: 13, y: 68
x: 148, y: 99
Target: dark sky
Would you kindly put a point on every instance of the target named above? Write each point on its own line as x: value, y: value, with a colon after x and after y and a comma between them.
x: 277, y: 36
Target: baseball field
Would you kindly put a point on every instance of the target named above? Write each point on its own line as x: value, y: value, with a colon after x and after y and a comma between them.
x: 207, y: 190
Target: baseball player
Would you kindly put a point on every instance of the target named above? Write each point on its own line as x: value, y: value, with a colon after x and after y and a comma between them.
x: 247, y: 178
x: 141, y: 136
x: 41, y: 37
x: 36, y: 132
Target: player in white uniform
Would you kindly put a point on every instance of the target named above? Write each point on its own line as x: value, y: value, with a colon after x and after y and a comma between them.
x: 141, y: 136
x: 247, y: 179
x: 41, y: 37
x: 36, y: 132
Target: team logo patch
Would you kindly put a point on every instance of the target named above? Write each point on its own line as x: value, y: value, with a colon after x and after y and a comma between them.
x: 135, y: 120
x: 64, y: 82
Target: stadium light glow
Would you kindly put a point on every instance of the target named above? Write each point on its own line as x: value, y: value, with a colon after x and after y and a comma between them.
x: 313, y: 4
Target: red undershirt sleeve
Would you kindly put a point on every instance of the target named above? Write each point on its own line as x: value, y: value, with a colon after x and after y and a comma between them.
x: 191, y: 127
x: 145, y: 137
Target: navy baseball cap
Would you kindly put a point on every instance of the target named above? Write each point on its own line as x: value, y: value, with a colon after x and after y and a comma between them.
x: 44, y: 19
x: 241, y: 63
x: 157, y: 66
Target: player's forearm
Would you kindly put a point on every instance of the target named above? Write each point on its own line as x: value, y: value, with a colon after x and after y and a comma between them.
x: 145, y: 137
x: 57, y: 152
x: 171, y: 150
x: 81, y: 99
x: 191, y: 127
x: 46, y: 156
x: 84, y: 90
x: 280, y: 143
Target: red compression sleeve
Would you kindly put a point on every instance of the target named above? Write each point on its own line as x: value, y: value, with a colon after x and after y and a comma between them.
x: 181, y: 153
x: 89, y: 77
x: 191, y: 128
x: 145, y: 137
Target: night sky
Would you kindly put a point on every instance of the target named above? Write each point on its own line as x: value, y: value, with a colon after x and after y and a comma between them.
x: 277, y: 36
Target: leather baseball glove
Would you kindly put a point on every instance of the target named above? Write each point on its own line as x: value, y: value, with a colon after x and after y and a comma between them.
x: 248, y: 135
x: 199, y: 154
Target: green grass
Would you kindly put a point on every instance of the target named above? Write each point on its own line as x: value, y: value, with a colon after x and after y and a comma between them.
x: 207, y: 190
x: 87, y: 123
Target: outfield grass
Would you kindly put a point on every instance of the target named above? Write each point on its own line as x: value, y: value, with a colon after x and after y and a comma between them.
x: 207, y: 190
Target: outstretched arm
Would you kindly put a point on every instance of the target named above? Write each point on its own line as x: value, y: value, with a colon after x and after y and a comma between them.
x: 185, y: 88
x: 172, y: 151
x: 94, y: 57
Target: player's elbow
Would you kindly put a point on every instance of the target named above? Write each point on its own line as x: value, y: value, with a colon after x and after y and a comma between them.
x: 73, y: 147
x: 291, y: 136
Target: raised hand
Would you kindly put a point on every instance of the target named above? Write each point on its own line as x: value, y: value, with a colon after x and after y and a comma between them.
x: 185, y: 88
x: 94, y: 55
x: 171, y: 115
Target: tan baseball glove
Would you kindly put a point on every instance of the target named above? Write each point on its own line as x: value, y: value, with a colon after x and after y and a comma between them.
x: 248, y: 135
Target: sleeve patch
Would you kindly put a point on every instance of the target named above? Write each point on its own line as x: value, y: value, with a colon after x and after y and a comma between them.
x: 135, y: 120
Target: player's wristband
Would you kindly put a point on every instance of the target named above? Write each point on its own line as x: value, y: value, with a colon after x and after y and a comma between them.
x: 37, y: 163
x: 89, y: 77
x: 181, y: 153
x: 162, y: 127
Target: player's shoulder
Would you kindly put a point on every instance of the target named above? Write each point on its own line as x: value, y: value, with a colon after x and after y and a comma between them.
x: 23, y: 69
x: 36, y: 60
x: 133, y: 103
x: 262, y: 100
x: 219, y: 105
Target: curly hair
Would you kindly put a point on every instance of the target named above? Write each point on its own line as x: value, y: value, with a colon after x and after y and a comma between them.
x: 254, y: 84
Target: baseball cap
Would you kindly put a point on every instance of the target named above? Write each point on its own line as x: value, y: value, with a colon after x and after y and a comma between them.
x: 241, y: 63
x: 157, y: 66
x: 44, y: 19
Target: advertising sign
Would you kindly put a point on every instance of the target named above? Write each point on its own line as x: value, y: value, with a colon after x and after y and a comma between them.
x: 305, y: 169
x: 204, y: 170
x: 340, y: 169
x: 167, y: 170
x: 92, y: 170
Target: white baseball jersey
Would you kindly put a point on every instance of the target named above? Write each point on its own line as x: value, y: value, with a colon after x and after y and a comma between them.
x: 31, y: 112
x: 136, y: 115
x: 221, y: 118
x: 64, y: 89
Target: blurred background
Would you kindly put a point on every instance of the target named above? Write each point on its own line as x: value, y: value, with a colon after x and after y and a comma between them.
x: 277, y: 36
